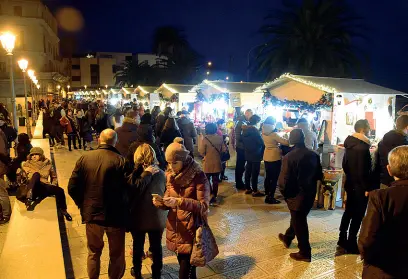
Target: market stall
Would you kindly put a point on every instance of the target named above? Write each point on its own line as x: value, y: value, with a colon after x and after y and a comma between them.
x: 332, y: 107
x: 141, y: 94
x: 176, y: 96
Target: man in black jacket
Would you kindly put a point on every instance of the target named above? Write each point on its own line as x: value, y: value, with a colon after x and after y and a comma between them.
x: 300, y: 173
x: 383, y: 238
x: 98, y: 187
x: 391, y: 140
x: 357, y: 167
x: 254, y: 148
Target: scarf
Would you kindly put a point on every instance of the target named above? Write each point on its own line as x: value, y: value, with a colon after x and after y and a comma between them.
x: 187, y: 174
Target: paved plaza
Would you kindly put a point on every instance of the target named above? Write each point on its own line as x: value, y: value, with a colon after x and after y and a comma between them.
x: 246, y: 230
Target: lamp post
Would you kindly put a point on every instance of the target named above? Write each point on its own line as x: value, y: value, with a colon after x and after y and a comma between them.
x: 7, y: 41
x: 23, y: 64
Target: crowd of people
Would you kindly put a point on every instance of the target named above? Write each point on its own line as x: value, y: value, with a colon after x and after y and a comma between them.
x: 144, y: 166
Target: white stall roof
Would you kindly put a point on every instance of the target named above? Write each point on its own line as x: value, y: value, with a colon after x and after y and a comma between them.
x: 332, y: 85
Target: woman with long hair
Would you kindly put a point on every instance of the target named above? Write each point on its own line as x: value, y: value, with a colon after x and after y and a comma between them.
x: 272, y: 158
x: 169, y: 132
x: 145, y: 218
x: 187, y: 196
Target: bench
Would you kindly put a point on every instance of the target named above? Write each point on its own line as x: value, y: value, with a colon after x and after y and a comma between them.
x: 32, y: 248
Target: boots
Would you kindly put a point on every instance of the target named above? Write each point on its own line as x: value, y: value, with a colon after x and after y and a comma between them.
x: 137, y: 274
x: 342, y: 240
x: 300, y: 257
x: 286, y: 242
x: 352, y: 247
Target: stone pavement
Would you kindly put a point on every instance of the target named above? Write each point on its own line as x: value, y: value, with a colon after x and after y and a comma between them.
x: 246, y: 230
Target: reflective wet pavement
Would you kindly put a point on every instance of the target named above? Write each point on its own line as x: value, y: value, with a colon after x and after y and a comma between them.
x: 246, y: 230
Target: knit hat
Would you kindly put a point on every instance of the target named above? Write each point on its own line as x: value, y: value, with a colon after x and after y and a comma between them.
x: 176, y: 152
x: 296, y: 136
x: 37, y: 151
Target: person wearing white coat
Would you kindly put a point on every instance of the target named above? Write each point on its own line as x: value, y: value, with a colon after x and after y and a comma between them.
x: 272, y: 158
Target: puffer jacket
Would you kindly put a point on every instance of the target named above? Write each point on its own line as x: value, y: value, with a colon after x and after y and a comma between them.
x: 44, y: 168
x: 194, y: 190
x: 211, y: 148
x: 253, y: 143
x: 188, y: 132
x: 272, y: 140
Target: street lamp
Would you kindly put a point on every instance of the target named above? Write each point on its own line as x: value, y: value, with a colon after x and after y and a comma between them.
x: 208, y: 73
x: 209, y: 64
x: 106, y: 86
x: 85, y: 87
x: 23, y: 64
x: 68, y: 86
x: 227, y: 78
x: 8, y: 41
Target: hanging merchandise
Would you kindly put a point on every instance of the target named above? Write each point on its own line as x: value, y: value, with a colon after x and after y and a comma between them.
x: 325, y: 102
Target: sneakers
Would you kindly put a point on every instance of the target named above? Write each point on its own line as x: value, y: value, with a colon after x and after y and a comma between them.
x: 300, y: 257
x: 286, y: 242
x: 271, y: 200
x: 248, y: 192
x: 258, y: 194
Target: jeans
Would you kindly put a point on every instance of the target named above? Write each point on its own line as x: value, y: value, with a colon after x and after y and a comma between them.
x: 116, y: 240
x: 299, y: 228
x: 252, y: 170
x: 72, y: 138
x: 42, y: 190
x: 213, y: 179
x: 356, y: 206
x: 272, y: 170
x: 187, y: 271
x: 240, y: 168
x: 155, y: 238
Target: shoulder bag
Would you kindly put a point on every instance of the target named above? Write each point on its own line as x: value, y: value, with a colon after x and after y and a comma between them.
x: 224, y: 156
x: 205, y: 247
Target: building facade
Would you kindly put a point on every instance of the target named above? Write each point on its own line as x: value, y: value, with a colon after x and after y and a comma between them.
x: 36, y: 32
x: 98, y: 69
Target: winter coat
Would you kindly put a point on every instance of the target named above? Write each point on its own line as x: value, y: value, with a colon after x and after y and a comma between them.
x: 144, y: 134
x: 239, y: 144
x: 98, y: 187
x: 66, y: 124
x: 47, y: 122
x: 253, y: 143
x: 357, y: 164
x: 188, y: 132
x: 160, y: 121
x: 57, y: 115
x: 126, y: 135
x: 141, y: 205
x: 301, y: 169
x: 191, y: 185
x: 74, y: 124
x: 44, y: 168
x: 210, y: 148
x: 390, y: 140
x: 382, y: 242
x: 4, y: 154
x: 272, y: 140
x: 168, y: 136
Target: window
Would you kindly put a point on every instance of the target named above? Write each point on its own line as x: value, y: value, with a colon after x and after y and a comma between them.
x: 75, y: 78
x: 129, y: 58
x: 21, y: 40
x: 115, y: 68
x: 76, y: 67
x: 18, y: 11
x: 3, y: 67
x: 94, y: 74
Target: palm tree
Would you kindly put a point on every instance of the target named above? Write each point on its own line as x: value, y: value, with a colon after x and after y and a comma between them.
x: 132, y: 73
x: 311, y: 38
x: 169, y: 40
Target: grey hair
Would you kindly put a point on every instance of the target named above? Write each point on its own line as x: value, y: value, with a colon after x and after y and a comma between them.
x: 109, y: 137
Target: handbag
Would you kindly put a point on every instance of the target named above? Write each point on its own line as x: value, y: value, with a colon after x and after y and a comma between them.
x: 224, y: 156
x: 205, y: 247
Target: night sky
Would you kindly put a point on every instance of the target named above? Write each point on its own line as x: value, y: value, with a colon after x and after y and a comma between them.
x: 224, y: 29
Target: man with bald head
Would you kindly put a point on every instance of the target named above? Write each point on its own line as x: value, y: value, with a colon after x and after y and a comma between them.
x: 98, y: 186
